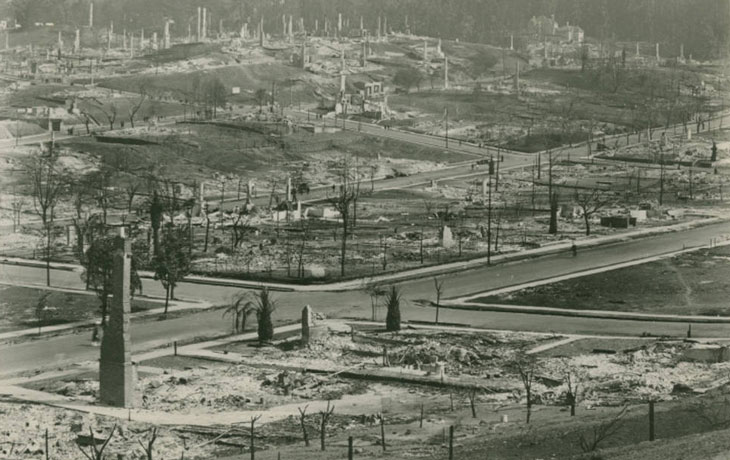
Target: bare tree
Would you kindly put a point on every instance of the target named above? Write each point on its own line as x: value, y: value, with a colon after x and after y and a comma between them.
x: 439, y: 287
x: 95, y: 453
x: 131, y: 190
x: 590, y: 441
x: 83, y: 221
x: 342, y: 202
x: 101, y: 181
x: 375, y: 291
x: 17, y: 203
x: 110, y: 114
x: 41, y: 306
x: 573, y: 379
x: 324, y: 418
x: 134, y: 108
x: 473, y: 402
x: 87, y: 121
x: 241, y: 225
x: 261, y: 96
x: 302, y: 247
x: 590, y: 202
x: 148, y: 448
x: 526, y: 368
x: 715, y: 413
x: 302, y: 422
x: 47, y: 186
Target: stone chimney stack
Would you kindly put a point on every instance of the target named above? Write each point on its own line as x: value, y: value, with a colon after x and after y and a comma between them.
x: 198, y: 30
x: 262, y: 34
x: 204, y: 25
x: 116, y: 372
x: 166, y: 35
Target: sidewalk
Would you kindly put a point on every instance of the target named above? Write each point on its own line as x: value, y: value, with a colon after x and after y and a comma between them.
x: 175, y: 306
x: 414, y: 273
x: 466, y: 303
x: 349, y: 404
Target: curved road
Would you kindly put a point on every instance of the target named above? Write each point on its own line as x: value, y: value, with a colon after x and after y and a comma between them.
x: 356, y: 304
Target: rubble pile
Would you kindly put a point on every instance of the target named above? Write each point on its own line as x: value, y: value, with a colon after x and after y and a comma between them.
x: 24, y: 426
x: 656, y: 371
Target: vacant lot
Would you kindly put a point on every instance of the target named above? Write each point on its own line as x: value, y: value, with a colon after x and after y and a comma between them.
x: 695, y: 283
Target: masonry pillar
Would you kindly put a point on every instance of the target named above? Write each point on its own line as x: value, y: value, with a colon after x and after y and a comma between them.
x: 116, y: 372
x: 306, y: 325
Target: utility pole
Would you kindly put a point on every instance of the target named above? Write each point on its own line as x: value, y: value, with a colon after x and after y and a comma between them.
x: 489, y: 220
x: 496, y: 178
x: 661, y: 176
x: 447, y: 127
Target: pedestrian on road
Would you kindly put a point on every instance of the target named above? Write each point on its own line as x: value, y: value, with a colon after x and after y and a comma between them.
x: 574, y: 249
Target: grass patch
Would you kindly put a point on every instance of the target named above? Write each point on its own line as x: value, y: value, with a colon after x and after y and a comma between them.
x: 17, y: 308
x: 694, y: 283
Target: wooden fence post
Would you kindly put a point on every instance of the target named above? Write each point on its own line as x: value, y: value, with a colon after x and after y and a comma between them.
x: 451, y: 442
x: 651, y: 421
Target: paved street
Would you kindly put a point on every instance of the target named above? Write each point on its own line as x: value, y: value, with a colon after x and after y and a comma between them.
x: 74, y: 348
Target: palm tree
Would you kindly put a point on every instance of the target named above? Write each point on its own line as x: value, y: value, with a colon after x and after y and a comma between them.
x: 265, y: 306
x: 392, y: 302
x: 240, y: 309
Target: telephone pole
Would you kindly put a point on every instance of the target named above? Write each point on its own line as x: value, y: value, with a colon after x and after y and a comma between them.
x: 447, y: 127
x: 489, y: 220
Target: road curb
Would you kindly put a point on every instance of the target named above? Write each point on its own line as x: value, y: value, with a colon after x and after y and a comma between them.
x: 414, y: 273
x: 592, y: 314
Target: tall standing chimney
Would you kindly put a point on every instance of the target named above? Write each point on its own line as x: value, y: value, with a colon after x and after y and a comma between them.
x: 197, y: 32
x: 204, y: 25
